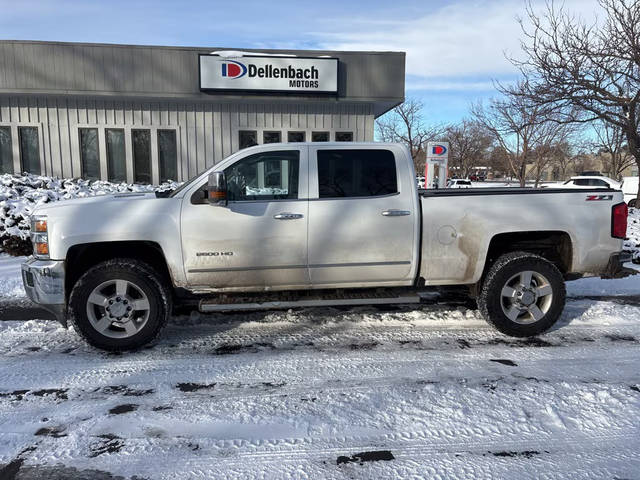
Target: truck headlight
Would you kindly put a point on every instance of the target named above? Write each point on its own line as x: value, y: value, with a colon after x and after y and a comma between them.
x: 40, y: 236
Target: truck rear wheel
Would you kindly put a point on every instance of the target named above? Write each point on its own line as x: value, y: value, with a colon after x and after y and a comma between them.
x: 120, y: 304
x: 522, y: 295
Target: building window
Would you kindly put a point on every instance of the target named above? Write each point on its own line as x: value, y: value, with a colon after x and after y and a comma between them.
x: 6, y: 150
x: 89, y: 157
x: 29, y: 149
x: 295, y: 137
x: 264, y: 176
x: 116, y: 158
x: 356, y: 173
x: 271, y: 137
x: 141, y: 155
x: 248, y: 138
x: 167, y: 155
x: 320, y: 137
x: 344, y: 136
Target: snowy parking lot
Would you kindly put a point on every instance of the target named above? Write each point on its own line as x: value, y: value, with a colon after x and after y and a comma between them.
x: 399, y: 392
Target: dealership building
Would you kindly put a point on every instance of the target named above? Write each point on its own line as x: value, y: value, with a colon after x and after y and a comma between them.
x: 147, y: 114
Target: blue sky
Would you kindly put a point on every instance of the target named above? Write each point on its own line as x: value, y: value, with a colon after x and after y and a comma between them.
x: 455, y: 49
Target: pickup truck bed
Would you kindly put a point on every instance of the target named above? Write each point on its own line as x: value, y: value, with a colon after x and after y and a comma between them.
x: 461, y: 227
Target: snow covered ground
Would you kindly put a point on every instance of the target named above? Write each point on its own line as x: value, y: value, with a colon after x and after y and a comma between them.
x: 324, y: 393
x: 10, y: 279
x: 363, y: 393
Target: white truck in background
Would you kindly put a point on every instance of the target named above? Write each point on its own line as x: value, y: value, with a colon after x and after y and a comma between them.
x: 309, y: 224
x: 628, y: 185
x: 630, y: 190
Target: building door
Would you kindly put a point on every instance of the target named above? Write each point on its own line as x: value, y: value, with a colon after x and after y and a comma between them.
x: 259, y: 240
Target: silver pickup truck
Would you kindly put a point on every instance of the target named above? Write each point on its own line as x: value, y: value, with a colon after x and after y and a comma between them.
x: 313, y: 224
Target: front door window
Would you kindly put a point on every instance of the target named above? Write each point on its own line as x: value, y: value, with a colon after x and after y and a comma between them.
x: 264, y: 176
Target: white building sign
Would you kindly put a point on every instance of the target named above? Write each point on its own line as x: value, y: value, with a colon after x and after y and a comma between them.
x: 438, y: 151
x: 436, y: 166
x: 269, y: 73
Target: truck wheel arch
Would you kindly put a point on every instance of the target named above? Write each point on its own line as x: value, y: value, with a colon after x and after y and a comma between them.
x: 82, y: 257
x: 553, y: 245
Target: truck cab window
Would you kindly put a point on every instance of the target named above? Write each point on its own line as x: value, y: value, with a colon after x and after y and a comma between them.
x: 356, y: 173
x: 264, y: 176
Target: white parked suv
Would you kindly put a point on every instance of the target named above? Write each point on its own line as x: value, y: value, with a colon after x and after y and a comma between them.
x: 592, y: 181
x: 300, y: 225
x: 458, y: 183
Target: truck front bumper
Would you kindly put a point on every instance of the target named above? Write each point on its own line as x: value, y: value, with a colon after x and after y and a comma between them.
x: 44, y: 283
x: 616, y: 268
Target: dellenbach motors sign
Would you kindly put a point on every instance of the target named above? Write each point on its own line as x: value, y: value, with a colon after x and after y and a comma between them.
x: 269, y: 74
x: 438, y: 151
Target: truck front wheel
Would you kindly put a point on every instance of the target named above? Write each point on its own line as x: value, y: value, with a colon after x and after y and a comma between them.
x: 522, y: 295
x: 120, y: 304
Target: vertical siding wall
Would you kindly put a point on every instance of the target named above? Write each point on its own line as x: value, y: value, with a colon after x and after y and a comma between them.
x: 207, y: 132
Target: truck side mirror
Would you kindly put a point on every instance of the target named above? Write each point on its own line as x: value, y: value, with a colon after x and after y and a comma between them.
x: 217, y: 189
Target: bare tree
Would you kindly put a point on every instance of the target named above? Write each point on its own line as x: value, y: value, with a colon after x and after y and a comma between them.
x: 549, y: 155
x: 592, y: 67
x: 522, y: 130
x: 563, y: 163
x: 404, y: 124
x: 498, y: 160
x: 469, y: 144
x: 583, y: 162
x: 611, y: 144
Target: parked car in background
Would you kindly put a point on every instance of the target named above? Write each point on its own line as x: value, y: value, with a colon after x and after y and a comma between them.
x: 591, y: 181
x: 458, y: 183
x: 420, y: 181
x: 630, y: 190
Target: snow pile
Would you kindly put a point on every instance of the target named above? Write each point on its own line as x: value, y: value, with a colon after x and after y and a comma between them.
x: 632, y: 243
x: 20, y: 194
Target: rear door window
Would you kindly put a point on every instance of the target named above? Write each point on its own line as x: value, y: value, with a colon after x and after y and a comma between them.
x: 356, y: 173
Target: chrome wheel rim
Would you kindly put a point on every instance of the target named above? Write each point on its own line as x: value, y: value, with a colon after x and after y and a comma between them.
x: 526, y: 297
x: 118, y: 308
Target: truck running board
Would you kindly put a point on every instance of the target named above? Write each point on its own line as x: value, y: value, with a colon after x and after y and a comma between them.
x: 223, y: 305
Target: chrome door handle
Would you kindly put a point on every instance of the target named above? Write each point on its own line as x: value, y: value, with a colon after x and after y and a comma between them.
x: 396, y: 213
x: 287, y: 216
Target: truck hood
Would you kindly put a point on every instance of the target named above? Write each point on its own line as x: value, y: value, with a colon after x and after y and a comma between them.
x: 110, y: 218
x: 47, y: 208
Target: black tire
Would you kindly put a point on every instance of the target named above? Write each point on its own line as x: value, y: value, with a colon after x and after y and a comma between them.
x: 491, y: 300
x: 147, y: 281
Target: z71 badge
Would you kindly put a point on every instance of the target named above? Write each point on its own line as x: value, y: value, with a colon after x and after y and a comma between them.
x: 591, y: 198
